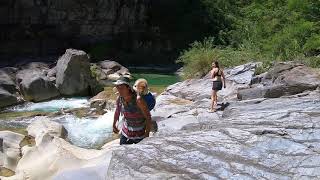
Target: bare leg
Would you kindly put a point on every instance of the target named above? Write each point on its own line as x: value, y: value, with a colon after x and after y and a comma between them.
x: 213, y: 98
x: 216, y: 98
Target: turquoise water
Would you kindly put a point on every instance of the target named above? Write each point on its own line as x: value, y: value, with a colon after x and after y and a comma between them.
x: 157, y: 79
x: 51, y: 106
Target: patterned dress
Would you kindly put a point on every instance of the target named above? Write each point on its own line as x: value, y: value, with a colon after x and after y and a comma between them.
x: 134, y: 123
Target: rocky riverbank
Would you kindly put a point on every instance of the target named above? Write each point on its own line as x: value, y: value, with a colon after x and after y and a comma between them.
x: 271, y: 133
x: 73, y: 75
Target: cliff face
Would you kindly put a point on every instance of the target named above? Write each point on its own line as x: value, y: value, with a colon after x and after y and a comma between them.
x: 46, y: 27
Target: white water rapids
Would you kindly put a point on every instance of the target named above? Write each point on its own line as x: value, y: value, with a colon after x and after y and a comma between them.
x: 88, y: 132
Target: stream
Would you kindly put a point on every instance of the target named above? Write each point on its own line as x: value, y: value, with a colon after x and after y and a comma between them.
x: 87, y: 132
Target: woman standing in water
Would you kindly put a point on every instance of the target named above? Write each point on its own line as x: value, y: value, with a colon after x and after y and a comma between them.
x: 218, y: 80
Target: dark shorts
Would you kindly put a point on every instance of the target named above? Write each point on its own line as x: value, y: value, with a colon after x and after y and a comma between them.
x: 216, y: 85
x: 124, y: 140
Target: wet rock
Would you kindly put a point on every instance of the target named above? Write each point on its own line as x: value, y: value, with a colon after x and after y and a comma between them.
x: 101, y: 103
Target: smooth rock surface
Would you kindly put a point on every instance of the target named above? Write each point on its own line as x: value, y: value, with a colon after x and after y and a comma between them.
x: 263, y: 138
x: 10, y: 151
x: 44, y: 126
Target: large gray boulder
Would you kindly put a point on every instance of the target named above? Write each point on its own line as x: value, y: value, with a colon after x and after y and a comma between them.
x: 108, y: 71
x: 37, y: 87
x: 6, y: 82
x: 7, y: 99
x: 113, y: 65
x: 282, y: 80
x: 11, y: 71
x: 73, y: 73
x: 22, y: 74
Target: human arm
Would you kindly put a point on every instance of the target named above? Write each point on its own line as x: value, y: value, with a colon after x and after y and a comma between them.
x: 146, y: 113
x: 212, y: 73
x: 116, y: 116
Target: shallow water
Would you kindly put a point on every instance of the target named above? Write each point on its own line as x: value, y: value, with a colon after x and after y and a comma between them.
x: 51, y: 106
x: 88, y: 132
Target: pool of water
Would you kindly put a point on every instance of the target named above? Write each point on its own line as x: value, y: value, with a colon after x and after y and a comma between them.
x: 157, y: 79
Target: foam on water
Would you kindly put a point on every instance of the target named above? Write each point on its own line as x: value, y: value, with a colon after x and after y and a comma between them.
x: 53, y: 105
x: 88, y: 132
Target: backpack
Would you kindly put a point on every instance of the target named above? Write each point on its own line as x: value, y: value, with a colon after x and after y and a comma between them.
x: 150, y: 100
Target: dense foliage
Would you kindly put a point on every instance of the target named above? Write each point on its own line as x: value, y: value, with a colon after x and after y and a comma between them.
x: 256, y: 30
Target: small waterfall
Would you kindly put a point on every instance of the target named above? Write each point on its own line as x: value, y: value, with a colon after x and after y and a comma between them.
x: 88, y: 132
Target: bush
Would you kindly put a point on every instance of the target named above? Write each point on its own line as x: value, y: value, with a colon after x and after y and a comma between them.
x: 198, y: 58
x: 94, y: 69
x: 311, y: 61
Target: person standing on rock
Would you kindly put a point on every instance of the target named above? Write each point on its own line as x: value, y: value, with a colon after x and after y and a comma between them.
x: 137, y: 119
x: 218, y: 80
